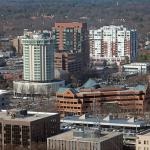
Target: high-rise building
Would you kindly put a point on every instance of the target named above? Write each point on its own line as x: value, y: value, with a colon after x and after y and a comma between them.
x: 73, y: 38
x: 38, y: 65
x: 113, y: 43
x: 38, y: 56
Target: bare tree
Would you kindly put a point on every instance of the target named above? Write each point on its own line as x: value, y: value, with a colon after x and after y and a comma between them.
x: 32, y: 92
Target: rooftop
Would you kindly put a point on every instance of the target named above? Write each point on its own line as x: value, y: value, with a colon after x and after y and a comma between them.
x: 105, y: 121
x: 75, y: 135
x: 137, y: 64
x: 29, y: 117
x: 4, y: 92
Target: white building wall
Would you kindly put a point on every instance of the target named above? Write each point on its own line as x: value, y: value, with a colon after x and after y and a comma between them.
x: 109, y: 35
x: 38, y: 56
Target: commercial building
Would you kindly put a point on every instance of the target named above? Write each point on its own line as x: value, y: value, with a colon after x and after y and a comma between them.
x: 19, y: 128
x: 91, y: 100
x: 87, y: 140
x: 4, y: 98
x: 129, y: 127
x: 17, y: 44
x: 113, y: 44
x: 143, y: 141
x: 72, y: 38
x: 67, y: 61
x: 108, y: 121
x: 138, y: 68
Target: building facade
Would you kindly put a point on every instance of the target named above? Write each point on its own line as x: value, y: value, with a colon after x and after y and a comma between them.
x: 67, y: 61
x: 36, y: 88
x: 72, y: 37
x: 17, y: 44
x: 143, y: 141
x: 22, y: 129
x: 137, y: 68
x: 79, y: 140
x: 112, y: 43
x: 125, y: 99
x: 38, y: 57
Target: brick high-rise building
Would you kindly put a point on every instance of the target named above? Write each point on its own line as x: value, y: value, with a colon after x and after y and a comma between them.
x: 113, y: 43
x: 72, y: 38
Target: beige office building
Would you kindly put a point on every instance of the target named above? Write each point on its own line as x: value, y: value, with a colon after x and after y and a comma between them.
x: 79, y: 140
x: 143, y: 141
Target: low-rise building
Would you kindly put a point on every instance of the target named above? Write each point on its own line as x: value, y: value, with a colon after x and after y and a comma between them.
x: 130, y: 127
x: 87, y: 140
x: 143, y: 141
x: 19, y: 128
x: 4, y: 98
x: 139, y: 68
x: 37, y: 88
x: 91, y: 100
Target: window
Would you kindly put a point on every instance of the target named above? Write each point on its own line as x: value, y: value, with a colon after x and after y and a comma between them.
x: 139, y: 142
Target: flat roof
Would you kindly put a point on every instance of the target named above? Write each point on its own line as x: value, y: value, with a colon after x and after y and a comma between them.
x: 31, y: 116
x: 69, y: 136
x: 4, y: 92
x: 138, y: 64
x: 111, y: 122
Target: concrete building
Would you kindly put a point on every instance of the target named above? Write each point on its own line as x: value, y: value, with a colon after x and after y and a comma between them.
x: 112, y: 43
x: 38, y: 65
x: 130, y: 127
x: 17, y: 44
x: 72, y: 37
x: 4, y: 98
x: 88, y: 99
x: 22, y: 129
x: 67, y: 61
x: 5, y: 44
x: 36, y: 88
x: 38, y: 57
x: 139, y: 68
x: 87, y: 140
x: 143, y: 141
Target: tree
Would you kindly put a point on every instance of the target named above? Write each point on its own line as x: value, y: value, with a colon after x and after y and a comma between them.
x: 32, y: 92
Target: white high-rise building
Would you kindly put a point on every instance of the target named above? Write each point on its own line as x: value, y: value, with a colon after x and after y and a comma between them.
x: 38, y: 57
x: 112, y: 43
x: 38, y: 65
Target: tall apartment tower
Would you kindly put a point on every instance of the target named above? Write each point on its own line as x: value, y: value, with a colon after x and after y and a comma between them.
x: 72, y: 38
x: 38, y: 57
x: 113, y: 43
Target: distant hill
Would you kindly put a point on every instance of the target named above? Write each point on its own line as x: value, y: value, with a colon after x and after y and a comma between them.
x: 82, y: 2
x: 15, y: 15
